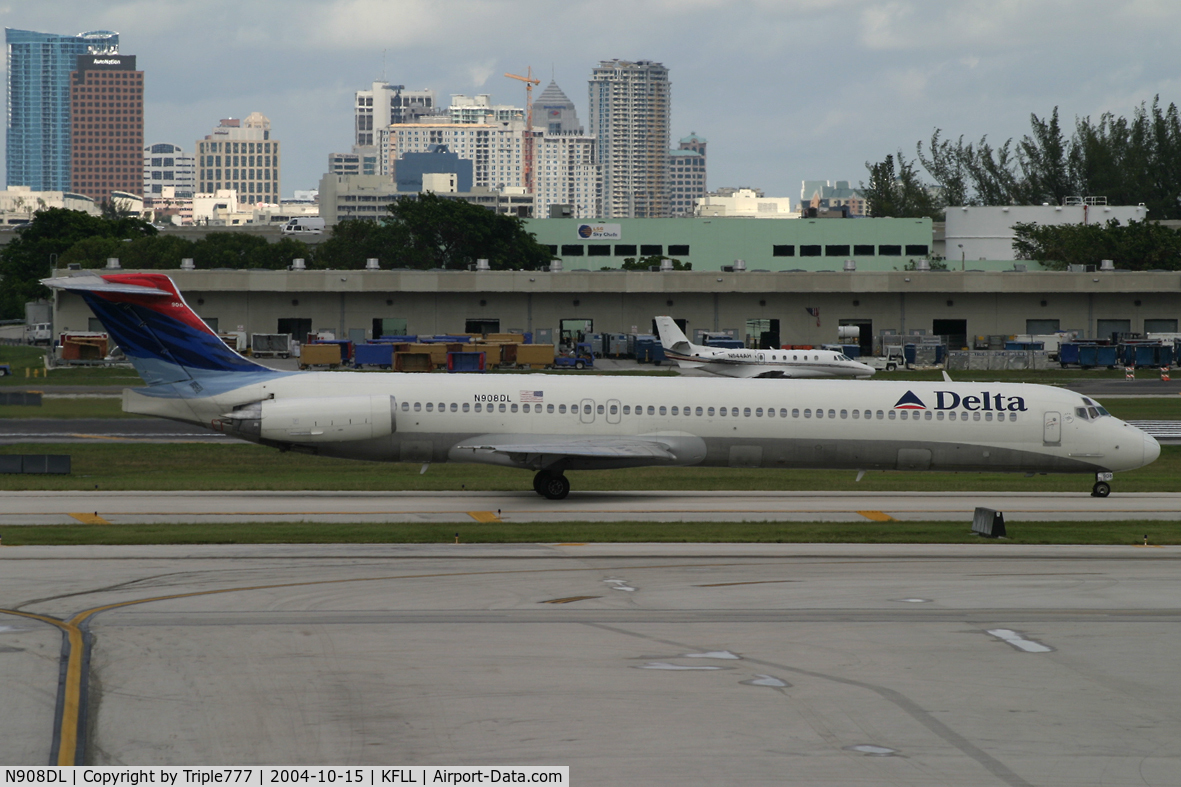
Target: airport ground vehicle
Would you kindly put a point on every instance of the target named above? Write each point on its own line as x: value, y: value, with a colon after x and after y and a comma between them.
x: 304, y: 225
x: 580, y: 359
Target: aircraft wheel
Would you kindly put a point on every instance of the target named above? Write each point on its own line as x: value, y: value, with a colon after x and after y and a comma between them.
x: 1101, y: 489
x: 551, y: 487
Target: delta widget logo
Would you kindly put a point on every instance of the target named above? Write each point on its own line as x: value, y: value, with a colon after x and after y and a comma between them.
x: 910, y: 402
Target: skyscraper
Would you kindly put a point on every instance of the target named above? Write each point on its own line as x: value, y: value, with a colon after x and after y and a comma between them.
x: 240, y: 155
x: 686, y: 175
x: 629, y: 116
x: 39, y: 148
x: 107, y: 126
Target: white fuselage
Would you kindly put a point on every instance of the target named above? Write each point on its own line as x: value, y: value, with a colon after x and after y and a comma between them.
x: 733, y: 362
x: 697, y: 421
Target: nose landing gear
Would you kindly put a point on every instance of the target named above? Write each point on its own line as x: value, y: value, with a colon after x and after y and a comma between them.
x: 551, y: 486
x: 1102, y: 487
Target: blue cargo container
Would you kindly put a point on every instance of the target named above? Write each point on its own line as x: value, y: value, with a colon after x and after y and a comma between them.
x: 1068, y: 354
x: 649, y: 351
x: 466, y: 361
x: 375, y: 354
x: 1025, y: 346
x: 397, y: 339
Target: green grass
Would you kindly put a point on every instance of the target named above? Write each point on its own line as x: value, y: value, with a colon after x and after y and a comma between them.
x: 21, y: 358
x: 1129, y: 533
x: 69, y: 408
x: 1052, y: 376
x: 193, y: 466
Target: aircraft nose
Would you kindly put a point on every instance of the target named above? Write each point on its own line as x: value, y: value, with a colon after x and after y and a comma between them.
x: 1151, y: 449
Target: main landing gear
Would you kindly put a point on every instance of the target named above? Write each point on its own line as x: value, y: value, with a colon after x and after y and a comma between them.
x: 1101, y: 488
x: 551, y: 486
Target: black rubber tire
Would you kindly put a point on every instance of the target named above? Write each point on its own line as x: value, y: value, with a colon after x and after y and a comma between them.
x: 537, y: 479
x: 554, y: 487
x: 1101, y: 489
x: 891, y: 367
x: 579, y: 365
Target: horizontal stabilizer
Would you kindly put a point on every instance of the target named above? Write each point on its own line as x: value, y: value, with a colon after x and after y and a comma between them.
x: 89, y: 282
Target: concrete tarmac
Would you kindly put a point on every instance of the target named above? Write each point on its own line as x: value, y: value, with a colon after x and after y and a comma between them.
x: 986, y: 664
x: 124, y: 508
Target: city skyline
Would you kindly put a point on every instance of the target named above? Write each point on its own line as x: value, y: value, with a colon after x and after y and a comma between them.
x: 784, y: 92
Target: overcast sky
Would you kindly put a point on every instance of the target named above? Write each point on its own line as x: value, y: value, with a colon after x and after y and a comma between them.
x: 784, y: 90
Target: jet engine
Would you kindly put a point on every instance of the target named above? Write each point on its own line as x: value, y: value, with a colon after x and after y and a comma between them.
x: 328, y: 419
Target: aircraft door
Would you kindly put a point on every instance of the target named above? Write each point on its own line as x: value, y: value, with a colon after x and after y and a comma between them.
x: 613, y: 410
x: 587, y: 415
x: 1052, y: 429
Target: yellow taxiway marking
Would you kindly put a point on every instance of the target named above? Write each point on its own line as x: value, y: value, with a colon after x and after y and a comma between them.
x: 483, y: 516
x: 877, y: 516
x: 68, y: 752
x: 567, y: 600
x: 90, y: 519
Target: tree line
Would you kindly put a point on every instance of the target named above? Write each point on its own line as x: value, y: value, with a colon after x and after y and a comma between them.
x: 423, y: 233
x: 1128, y: 160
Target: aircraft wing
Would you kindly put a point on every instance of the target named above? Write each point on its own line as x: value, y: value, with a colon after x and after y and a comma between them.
x: 593, y: 448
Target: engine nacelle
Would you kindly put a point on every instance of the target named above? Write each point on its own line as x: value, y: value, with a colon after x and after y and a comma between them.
x: 328, y: 419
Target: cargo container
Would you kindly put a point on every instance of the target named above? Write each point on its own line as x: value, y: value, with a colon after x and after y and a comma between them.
x: 413, y: 362
x: 270, y: 345
x: 535, y: 356
x: 437, y: 352
x: 346, y: 348
x: 466, y: 361
x: 319, y: 355
x: 515, y: 338
x: 492, y: 350
x: 374, y: 354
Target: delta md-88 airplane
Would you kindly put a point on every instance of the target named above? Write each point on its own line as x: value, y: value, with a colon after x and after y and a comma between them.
x: 734, y: 362
x: 553, y: 423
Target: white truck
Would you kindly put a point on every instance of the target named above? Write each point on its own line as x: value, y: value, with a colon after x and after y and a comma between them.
x: 304, y: 225
x: 38, y: 333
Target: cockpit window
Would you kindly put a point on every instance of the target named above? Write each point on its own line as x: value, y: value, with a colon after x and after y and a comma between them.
x: 1081, y: 412
x: 1094, y: 411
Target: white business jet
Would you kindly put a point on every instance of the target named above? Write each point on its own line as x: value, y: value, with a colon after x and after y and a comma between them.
x: 733, y: 362
x: 552, y: 423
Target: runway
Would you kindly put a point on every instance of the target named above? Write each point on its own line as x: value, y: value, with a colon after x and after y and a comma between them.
x: 633, y: 664
x: 123, y: 508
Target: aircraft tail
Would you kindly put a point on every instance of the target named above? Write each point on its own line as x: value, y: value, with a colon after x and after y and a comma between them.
x: 164, y: 339
x: 671, y: 336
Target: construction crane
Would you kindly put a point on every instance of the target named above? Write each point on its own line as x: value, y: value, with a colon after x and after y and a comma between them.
x: 529, y: 83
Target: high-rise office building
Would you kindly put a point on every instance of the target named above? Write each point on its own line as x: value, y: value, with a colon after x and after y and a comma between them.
x: 686, y: 175
x: 554, y: 111
x: 629, y: 116
x: 168, y: 166
x: 240, y: 155
x: 107, y: 126
x: 39, y: 149
x: 384, y: 104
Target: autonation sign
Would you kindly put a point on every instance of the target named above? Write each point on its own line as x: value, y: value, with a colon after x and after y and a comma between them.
x: 600, y: 231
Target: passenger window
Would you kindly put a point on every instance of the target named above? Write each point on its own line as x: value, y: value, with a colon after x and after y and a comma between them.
x: 746, y: 412
x: 405, y: 407
x: 454, y: 407
x: 722, y: 411
x: 844, y: 413
x: 1012, y: 416
x: 988, y: 416
x: 927, y: 416
x: 903, y: 415
x: 880, y: 415
x: 676, y: 411
x: 939, y: 416
x: 651, y: 410
x: 514, y: 408
x: 832, y: 413
x: 795, y: 412
x: 614, y: 409
x: 734, y: 411
x: 663, y: 410
x: 549, y: 408
x: 627, y: 409
x: 710, y: 412
x: 502, y: 407
x: 770, y: 412
x: 562, y: 409
x: 417, y: 407
x: 525, y: 408
x: 699, y: 411
x: 892, y: 415
x: 795, y: 357
x: 819, y: 413
x: 975, y: 416
x: 783, y: 412
x: 430, y: 406
x: 687, y: 410
x: 479, y: 407
x: 442, y: 407
x: 807, y: 413
x: 758, y: 412
x: 951, y: 416
x: 600, y: 409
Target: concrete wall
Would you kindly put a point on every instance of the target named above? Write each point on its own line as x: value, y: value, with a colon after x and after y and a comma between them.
x: 440, y: 302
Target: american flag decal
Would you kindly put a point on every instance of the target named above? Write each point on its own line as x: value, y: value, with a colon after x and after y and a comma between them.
x: 532, y: 396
